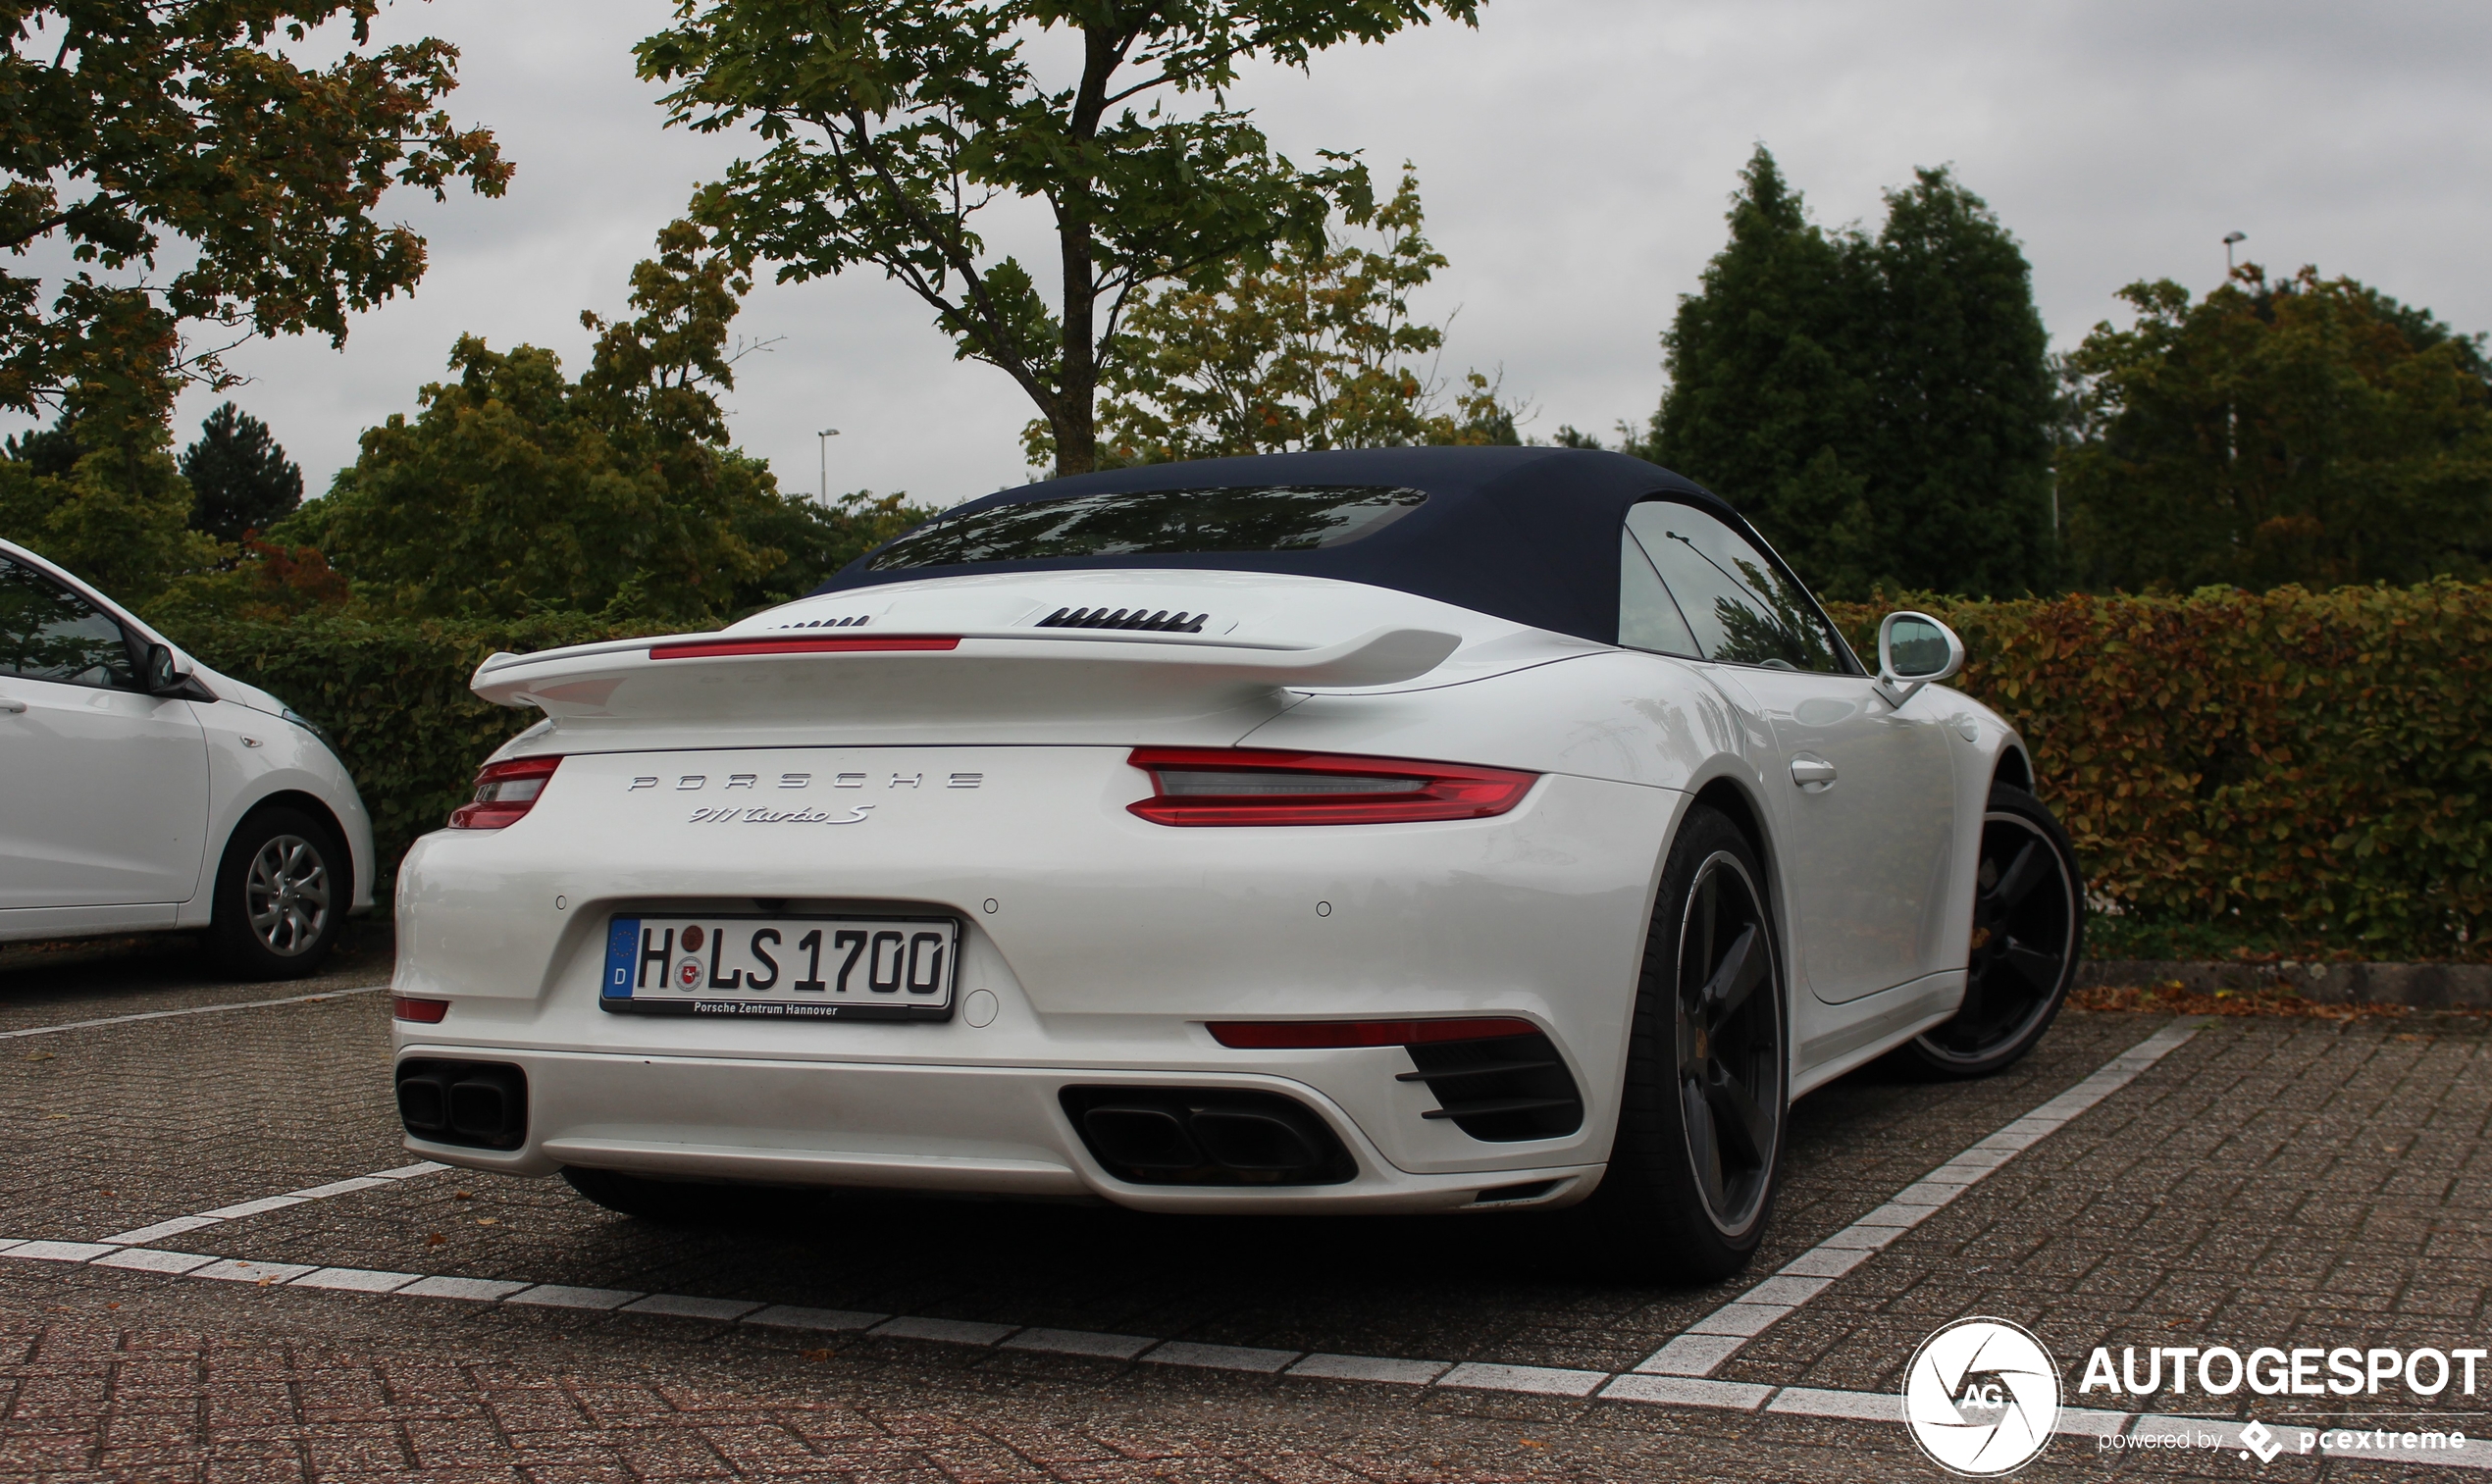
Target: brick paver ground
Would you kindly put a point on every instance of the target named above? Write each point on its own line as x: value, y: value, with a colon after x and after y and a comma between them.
x: 2273, y: 1182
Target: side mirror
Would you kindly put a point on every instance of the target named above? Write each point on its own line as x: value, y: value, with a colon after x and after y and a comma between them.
x: 1914, y: 649
x: 167, y: 673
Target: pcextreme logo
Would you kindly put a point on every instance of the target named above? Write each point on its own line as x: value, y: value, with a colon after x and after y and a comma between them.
x: 1981, y: 1397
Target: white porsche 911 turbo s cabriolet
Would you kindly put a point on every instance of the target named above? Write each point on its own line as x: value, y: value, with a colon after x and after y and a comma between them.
x: 1395, y: 830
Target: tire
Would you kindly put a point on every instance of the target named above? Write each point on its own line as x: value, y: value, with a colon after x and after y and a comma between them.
x: 2028, y: 936
x: 1691, y: 1173
x: 282, y: 893
x: 671, y: 1202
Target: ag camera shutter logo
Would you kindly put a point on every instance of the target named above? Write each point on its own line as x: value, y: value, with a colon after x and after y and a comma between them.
x: 1981, y: 1397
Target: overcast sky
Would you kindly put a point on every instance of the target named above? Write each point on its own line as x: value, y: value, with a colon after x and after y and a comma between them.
x: 1575, y: 157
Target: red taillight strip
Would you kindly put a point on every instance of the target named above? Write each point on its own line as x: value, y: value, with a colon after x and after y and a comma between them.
x: 1446, y: 790
x: 503, y: 794
x: 421, y: 1012
x: 1314, y: 1035
x: 723, y: 648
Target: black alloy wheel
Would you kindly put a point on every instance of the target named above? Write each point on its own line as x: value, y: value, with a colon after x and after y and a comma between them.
x: 282, y: 895
x: 2028, y: 934
x: 1691, y: 1175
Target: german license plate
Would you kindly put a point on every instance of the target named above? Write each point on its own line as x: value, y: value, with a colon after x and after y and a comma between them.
x: 843, y: 968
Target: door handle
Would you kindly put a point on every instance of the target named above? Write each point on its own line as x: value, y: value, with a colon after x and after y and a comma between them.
x: 1812, y: 773
x: 10, y: 707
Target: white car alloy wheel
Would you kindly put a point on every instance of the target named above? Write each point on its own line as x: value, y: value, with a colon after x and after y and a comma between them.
x: 1729, y: 1042
x: 287, y: 895
x: 1690, y: 1178
x: 279, y: 895
x: 2027, y: 933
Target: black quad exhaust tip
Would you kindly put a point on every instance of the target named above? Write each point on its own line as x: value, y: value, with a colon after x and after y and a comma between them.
x: 1243, y: 1139
x: 1206, y: 1136
x: 482, y: 1104
x: 1144, y: 1138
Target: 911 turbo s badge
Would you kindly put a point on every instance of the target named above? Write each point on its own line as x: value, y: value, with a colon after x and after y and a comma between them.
x: 764, y: 816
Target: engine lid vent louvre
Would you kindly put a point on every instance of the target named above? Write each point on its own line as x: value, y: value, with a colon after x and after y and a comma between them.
x: 851, y: 621
x: 1162, y: 621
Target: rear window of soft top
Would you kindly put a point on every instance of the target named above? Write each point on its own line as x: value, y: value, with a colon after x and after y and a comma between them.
x: 1154, y: 521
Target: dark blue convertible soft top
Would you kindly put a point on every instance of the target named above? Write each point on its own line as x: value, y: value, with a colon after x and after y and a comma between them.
x: 1529, y: 534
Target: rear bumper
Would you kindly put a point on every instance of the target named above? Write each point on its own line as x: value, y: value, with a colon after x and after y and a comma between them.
x: 981, y: 1130
x: 1094, y: 950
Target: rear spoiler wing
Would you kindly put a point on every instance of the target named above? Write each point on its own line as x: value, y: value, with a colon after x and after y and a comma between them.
x: 787, y: 677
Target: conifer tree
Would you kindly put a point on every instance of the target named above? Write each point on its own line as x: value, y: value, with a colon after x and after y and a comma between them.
x: 1879, y: 406
x: 240, y: 479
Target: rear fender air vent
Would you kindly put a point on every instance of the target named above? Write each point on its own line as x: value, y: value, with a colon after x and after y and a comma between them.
x: 1159, y: 622
x: 1206, y: 1136
x: 1500, y: 1091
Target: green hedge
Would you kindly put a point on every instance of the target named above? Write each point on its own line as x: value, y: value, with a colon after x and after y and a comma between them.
x: 393, y: 697
x: 2303, y: 772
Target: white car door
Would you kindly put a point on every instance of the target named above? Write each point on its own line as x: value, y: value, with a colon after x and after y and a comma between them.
x: 1864, y: 794
x: 103, y: 788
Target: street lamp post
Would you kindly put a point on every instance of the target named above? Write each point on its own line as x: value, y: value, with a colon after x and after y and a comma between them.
x: 2232, y: 420
x: 823, y: 440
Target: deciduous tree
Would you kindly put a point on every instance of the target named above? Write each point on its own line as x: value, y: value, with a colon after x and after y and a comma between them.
x: 1318, y: 349
x: 194, y: 174
x: 116, y: 516
x: 890, y: 126
x: 2309, y: 429
x: 516, y: 491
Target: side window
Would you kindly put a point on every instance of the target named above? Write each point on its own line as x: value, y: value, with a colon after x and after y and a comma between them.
x: 49, y: 633
x: 1743, y: 609
x: 1646, y: 617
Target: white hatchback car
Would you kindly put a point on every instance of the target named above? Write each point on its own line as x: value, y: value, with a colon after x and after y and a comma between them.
x: 142, y: 792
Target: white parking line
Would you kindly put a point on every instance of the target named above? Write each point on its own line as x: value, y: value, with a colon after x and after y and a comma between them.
x: 1245, y: 1357
x: 176, y: 1226
x: 1702, y: 1347
x: 1691, y: 1392
x: 197, y: 1009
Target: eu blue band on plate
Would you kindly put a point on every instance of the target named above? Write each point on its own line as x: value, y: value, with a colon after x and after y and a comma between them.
x: 622, y: 953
